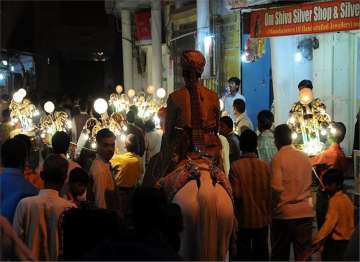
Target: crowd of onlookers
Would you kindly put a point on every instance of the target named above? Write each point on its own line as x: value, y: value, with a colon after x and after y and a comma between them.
x: 53, y: 207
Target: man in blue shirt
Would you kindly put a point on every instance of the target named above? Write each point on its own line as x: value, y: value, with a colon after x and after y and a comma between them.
x: 13, y: 186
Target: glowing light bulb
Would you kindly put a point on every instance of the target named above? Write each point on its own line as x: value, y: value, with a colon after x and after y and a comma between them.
x: 17, y: 97
x: 22, y: 92
x: 298, y: 57
x: 131, y: 93
x: 323, y: 132
x: 93, y: 145
x: 100, y: 106
x: 5, y: 63
x: 294, y: 135
x: 119, y: 89
x: 49, y: 107
x: 161, y: 92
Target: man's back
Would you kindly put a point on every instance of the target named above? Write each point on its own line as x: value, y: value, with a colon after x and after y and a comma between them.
x: 128, y: 169
x: 266, y: 146
x: 333, y: 156
x: 36, y: 222
x: 179, y: 112
x: 292, y: 178
x: 137, y: 131
x: 13, y: 187
x: 152, y: 144
x: 250, y: 180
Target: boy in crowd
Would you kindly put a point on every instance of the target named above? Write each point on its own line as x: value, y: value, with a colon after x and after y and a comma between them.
x: 266, y: 143
x: 242, y: 121
x: 78, y: 182
x: 339, y: 223
x: 332, y: 157
x: 36, y: 218
x: 226, y: 129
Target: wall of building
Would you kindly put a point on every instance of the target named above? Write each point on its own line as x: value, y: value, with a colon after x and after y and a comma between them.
x: 335, y: 78
x: 286, y: 74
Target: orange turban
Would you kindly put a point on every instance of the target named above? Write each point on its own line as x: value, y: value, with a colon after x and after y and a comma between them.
x: 193, y: 60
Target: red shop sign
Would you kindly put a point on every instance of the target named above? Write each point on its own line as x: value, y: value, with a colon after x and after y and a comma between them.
x: 143, y: 26
x: 307, y: 18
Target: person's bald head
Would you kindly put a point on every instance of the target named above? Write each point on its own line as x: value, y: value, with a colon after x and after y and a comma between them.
x: 132, y: 143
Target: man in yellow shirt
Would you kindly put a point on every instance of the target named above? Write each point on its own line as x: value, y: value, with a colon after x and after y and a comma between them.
x: 128, y: 168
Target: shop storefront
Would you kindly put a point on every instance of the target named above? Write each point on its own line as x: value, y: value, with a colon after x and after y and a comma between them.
x: 319, y: 41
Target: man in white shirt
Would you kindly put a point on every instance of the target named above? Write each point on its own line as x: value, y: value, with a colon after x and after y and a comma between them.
x: 292, y: 204
x: 100, y: 170
x: 60, y: 143
x: 36, y: 219
x: 242, y: 121
x: 152, y: 140
x: 230, y: 95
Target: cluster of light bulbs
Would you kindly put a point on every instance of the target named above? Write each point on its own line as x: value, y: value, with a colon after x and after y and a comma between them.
x: 59, y: 121
x: 147, y: 106
x: 22, y: 111
x: 54, y: 121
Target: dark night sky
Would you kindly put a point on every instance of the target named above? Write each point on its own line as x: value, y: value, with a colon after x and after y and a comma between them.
x: 69, y: 33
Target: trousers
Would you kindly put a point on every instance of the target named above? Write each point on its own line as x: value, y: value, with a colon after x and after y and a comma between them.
x: 252, y: 244
x: 286, y: 231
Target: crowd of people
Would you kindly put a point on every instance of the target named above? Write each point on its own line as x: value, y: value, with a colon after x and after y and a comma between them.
x: 111, y: 206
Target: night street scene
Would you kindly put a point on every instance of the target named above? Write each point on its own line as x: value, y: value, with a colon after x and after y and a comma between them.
x: 169, y: 130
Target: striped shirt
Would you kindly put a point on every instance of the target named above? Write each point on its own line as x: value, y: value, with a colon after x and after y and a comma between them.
x: 250, y: 180
x: 291, y: 184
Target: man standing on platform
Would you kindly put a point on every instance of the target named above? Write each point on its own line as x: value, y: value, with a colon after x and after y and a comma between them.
x: 230, y: 95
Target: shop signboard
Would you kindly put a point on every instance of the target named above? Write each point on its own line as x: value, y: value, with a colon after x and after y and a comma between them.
x: 306, y: 18
x: 231, y: 41
x: 143, y: 26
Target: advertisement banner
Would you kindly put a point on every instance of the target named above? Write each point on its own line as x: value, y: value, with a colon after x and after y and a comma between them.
x: 307, y: 18
x: 143, y: 26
